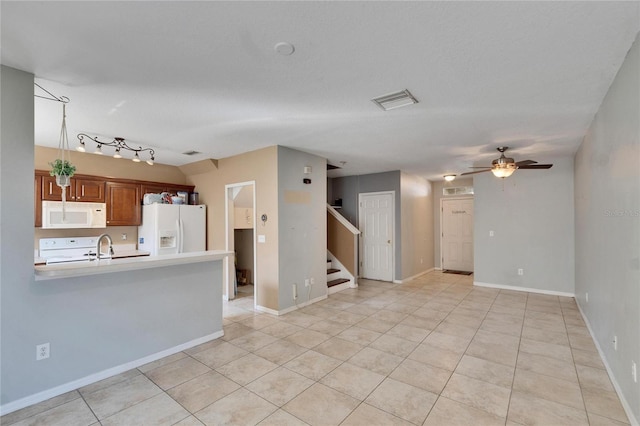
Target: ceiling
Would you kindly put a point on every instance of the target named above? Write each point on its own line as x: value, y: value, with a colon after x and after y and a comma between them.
x: 204, y: 76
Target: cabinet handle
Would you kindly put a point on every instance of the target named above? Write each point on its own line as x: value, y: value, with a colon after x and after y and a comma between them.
x: 50, y: 188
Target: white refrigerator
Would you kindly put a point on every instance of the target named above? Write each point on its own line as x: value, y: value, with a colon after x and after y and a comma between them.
x: 172, y: 228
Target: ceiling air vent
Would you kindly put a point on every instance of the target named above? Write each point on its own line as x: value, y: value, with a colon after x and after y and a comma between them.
x: 395, y: 100
x: 191, y: 152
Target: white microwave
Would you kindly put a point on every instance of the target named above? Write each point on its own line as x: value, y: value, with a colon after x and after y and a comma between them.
x: 76, y: 215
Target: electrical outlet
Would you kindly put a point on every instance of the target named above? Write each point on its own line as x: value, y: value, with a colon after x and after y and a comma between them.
x: 520, y: 271
x: 42, y: 351
x: 634, y: 372
x: 295, y: 292
x: 615, y: 343
x: 306, y: 282
x: 491, y: 233
x: 421, y: 260
x: 586, y: 296
x: 123, y: 237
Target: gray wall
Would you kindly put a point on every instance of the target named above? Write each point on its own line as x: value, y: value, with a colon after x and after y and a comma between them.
x: 302, y: 229
x: 92, y: 323
x: 607, y: 225
x: 437, y: 196
x: 348, y: 189
x: 531, y: 214
x: 416, y: 222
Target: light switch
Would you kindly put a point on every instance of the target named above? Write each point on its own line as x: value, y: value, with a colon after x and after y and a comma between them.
x: 491, y: 233
x: 262, y: 239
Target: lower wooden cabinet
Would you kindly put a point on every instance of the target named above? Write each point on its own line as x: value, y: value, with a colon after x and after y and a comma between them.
x: 123, y: 204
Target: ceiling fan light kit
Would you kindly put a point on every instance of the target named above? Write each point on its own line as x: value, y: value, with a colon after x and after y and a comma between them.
x: 504, y: 166
x: 449, y: 178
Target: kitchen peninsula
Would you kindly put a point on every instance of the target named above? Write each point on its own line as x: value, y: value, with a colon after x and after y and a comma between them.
x: 108, y: 316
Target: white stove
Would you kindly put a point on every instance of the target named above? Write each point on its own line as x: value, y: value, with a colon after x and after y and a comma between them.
x: 74, y: 249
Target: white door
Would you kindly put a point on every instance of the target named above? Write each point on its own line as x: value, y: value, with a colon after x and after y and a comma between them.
x: 457, y: 235
x: 377, y: 224
x: 193, y: 221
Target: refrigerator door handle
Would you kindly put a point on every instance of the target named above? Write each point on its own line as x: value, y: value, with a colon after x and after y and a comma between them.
x: 181, y: 236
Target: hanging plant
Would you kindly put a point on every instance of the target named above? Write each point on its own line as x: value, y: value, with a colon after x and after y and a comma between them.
x: 62, y: 168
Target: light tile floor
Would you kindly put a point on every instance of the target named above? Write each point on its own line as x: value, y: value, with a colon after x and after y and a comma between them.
x: 433, y: 351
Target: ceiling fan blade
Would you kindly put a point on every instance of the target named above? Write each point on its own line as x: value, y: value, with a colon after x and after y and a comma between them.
x: 477, y: 171
x: 525, y: 163
x: 537, y: 166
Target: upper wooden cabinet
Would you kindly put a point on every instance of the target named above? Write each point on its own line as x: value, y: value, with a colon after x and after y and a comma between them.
x: 123, y: 204
x: 37, y: 192
x: 89, y: 190
x: 81, y: 189
x: 122, y: 196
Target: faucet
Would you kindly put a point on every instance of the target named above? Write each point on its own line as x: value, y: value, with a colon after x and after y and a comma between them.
x: 99, y: 243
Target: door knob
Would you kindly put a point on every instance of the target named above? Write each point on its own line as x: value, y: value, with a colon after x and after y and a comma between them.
x: 388, y: 241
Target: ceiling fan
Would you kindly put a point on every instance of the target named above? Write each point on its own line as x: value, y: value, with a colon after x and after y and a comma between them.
x: 504, y: 166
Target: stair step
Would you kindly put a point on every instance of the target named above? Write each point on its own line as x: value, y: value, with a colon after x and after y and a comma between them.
x: 332, y: 271
x: 337, y: 281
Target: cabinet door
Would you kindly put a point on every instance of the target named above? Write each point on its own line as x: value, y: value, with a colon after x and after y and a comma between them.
x: 151, y: 189
x: 52, y: 192
x: 37, y: 198
x: 123, y: 204
x: 89, y: 190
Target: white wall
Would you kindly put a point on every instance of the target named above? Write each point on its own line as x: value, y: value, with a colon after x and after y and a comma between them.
x: 531, y: 214
x: 607, y: 226
x: 416, y: 222
x: 302, y: 233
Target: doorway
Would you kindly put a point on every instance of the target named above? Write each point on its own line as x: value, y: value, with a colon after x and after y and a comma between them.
x: 377, y: 223
x: 240, y: 272
x: 456, y: 244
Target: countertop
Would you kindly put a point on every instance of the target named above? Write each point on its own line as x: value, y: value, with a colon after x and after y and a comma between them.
x: 103, y: 266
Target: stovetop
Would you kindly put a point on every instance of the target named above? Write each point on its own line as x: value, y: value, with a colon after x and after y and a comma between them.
x: 74, y: 249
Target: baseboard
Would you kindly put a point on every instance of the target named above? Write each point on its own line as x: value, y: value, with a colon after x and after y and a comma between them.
x: 402, y: 281
x: 625, y: 404
x: 76, y: 384
x: 290, y: 308
x: 525, y: 289
x: 437, y: 269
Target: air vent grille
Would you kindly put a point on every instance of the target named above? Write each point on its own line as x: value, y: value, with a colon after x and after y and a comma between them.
x: 395, y: 100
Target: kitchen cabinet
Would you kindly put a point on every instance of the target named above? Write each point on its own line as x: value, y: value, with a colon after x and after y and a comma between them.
x: 80, y: 189
x: 37, y: 188
x: 89, y: 190
x: 123, y: 204
x: 157, y: 188
x: 123, y: 197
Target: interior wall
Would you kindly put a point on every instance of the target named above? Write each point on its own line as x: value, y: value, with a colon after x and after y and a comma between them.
x: 260, y: 166
x: 21, y: 326
x: 531, y: 215
x: 105, y: 165
x: 607, y: 226
x: 416, y: 205
x: 303, y: 226
x: 348, y: 189
x: 437, y: 213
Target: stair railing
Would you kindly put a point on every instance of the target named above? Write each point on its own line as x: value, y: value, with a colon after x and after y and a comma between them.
x: 342, y: 241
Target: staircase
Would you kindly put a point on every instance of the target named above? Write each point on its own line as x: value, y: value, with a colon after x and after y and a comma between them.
x: 342, y: 252
x: 336, y: 279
